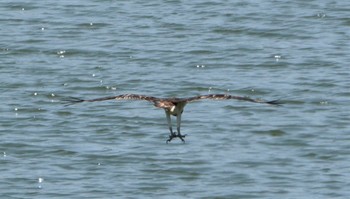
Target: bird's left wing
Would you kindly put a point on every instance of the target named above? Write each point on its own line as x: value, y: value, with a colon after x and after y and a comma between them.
x: 227, y: 97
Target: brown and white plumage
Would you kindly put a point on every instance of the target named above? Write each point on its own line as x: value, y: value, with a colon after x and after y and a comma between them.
x: 173, y: 106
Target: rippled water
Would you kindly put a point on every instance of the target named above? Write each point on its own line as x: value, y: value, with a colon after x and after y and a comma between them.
x: 296, y: 52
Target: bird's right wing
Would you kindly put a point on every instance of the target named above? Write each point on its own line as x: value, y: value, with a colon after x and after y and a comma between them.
x: 74, y: 100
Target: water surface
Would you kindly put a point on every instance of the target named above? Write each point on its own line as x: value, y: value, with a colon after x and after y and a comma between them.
x: 296, y: 52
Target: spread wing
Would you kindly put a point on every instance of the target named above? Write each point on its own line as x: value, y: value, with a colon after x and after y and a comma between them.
x: 169, y: 102
x: 227, y: 97
x: 73, y: 100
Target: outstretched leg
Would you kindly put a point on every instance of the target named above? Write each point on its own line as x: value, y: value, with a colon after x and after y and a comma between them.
x: 169, y: 122
x: 178, y: 120
x: 172, y: 134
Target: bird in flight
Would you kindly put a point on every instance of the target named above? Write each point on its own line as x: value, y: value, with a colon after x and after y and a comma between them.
x: 172, y: 106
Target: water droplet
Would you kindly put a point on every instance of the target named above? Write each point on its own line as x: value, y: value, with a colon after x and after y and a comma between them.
x: 40, y: 180
x: 324, y: 102
x: 321, y: 15
x: 277, y: 57
x: 61, y: 52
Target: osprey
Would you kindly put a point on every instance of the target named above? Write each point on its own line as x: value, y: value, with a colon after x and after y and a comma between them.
x: 172, y: 106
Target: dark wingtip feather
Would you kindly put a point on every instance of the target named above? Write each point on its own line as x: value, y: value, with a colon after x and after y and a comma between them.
x: 72, y: 100
x: 275, y: 102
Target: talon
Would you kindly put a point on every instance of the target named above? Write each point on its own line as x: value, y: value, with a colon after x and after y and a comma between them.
x: 171, y: 136
x: 174, y: 135
x: 181, y: 137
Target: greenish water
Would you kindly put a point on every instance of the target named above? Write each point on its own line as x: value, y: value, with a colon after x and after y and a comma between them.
x: 296, y: 52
